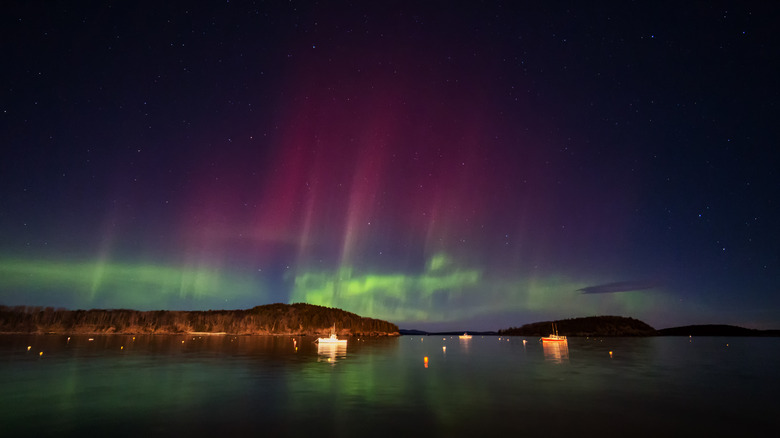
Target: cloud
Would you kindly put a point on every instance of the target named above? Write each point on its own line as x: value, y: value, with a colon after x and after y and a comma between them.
x: 620, y: 286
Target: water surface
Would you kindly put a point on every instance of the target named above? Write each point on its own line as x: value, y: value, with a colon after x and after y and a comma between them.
x: 229, y: 385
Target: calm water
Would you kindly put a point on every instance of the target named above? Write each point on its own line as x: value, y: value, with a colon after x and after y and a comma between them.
x: 283, y: 386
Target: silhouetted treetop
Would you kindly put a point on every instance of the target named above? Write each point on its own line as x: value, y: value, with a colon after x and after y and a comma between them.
x: 271, y: 319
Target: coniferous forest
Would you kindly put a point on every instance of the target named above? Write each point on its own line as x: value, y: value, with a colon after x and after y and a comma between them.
x: 271, y: 319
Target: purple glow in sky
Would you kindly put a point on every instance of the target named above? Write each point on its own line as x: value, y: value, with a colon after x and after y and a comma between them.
x: 476, y: 166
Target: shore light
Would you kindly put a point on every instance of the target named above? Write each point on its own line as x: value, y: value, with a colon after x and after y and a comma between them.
x: 29, y: 347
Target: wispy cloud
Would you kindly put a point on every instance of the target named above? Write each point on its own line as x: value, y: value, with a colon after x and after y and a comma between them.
x: 620, y: 286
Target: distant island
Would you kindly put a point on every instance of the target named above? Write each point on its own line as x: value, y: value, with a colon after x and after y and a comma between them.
x: 715, y: 330
x: 589, y: 326
x: 271, y: 319
x: 606, y: 326
x: 410, y: 332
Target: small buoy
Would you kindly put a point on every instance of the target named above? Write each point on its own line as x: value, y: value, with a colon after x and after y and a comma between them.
x: 40, y: 354
x: 29, y: 347
x: 122, y: 347
x: 68, y: 338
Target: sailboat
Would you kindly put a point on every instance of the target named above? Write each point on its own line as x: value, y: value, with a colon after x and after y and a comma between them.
x: 554, y: 337
x: 332, y: 339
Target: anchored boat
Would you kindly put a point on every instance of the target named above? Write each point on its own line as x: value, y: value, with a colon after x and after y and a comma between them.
x: 332, y: 339
x: 554, y: 337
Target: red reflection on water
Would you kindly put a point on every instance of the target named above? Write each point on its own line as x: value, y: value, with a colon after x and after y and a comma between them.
x: 556, y: 351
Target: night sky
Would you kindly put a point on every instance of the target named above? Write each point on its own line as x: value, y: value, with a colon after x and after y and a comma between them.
x: 435, y: 164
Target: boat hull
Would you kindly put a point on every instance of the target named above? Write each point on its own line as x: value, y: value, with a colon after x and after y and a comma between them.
x: 331, y: 341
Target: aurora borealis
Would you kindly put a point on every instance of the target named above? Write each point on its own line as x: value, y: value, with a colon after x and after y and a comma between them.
x: 442, y: 167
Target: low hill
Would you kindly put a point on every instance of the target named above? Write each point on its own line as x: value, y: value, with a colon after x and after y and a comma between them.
x: 715, y: 330
x: 271, y: 319
x: 412, y: 332
x: 589, y: 326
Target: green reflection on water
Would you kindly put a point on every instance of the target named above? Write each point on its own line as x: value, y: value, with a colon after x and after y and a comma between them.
x: 239, y: 385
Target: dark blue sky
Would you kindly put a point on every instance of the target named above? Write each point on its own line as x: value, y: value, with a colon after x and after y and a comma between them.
x: 483, y: 165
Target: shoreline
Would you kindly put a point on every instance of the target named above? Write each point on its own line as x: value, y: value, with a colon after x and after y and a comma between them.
x: 375, y: 335
x: 387, y: 335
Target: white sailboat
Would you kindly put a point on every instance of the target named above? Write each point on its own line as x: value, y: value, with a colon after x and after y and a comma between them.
x: 332, y: 339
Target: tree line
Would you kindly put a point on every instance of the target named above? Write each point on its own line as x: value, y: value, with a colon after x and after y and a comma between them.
x: 271, y: 319
x: 589, y: 326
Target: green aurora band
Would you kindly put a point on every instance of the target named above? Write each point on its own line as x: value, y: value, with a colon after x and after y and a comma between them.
x: 110, y: 284
x: 441, y: 292
x: 444, y: 292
